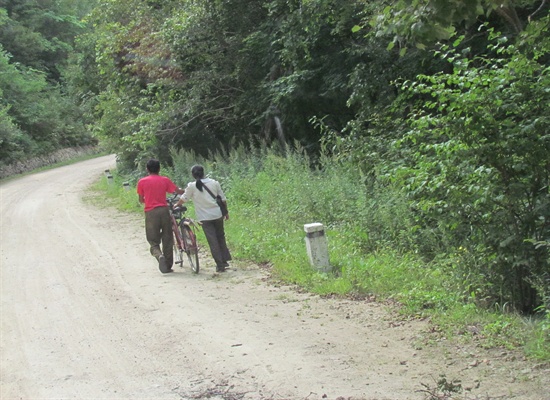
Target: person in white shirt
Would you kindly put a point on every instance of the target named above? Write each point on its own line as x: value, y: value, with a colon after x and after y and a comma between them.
x: 209, y: 214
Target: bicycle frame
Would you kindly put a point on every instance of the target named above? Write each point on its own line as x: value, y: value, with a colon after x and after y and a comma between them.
x: 175, y: 224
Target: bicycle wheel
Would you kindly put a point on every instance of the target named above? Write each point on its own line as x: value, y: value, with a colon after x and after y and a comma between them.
x: 178, y: 251
x: 178, y: 256
x: 191, y: 248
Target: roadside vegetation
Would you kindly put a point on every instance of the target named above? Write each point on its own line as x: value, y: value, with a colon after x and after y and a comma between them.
x: 370, y: 236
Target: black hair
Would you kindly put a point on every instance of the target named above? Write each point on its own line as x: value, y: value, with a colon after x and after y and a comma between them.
x: 153, y: 166
x: 198, y: 173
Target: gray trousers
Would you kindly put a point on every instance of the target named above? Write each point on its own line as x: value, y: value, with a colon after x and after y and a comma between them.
x: 158, y: 229
x: 215, y: 235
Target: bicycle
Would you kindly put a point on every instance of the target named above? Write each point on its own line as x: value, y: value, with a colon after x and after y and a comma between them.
x: 185, y: 238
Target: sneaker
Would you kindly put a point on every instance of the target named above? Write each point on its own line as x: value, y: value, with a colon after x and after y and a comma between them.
x: 220, y: 269
x: 162, y: 264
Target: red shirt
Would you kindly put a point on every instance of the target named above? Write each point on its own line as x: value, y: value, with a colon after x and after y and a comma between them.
x: 153, y: 188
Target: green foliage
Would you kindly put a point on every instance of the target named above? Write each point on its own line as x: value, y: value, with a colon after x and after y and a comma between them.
x: 468, y: 149
x: 203, y: 75
x: 39, y: 35
x: 13, y: 142
x: 265, y: 186
x: 504, y: 331
x: 37, y: 117
x: 426, y: 22
x: 25, y: 118
x: 124, y: 198
x: 538, y: 343
x: 476, y: 163
x: 285, y: 191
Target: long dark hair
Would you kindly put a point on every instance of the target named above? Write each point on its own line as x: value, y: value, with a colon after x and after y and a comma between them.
x: 198, y: 173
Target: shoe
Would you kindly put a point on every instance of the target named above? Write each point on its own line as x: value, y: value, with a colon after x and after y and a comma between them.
x: 225, y: 266
x: 162, y: 264
x: 220, y: 269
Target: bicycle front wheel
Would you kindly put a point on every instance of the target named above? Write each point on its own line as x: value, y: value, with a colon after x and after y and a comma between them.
x: 178, y: 255
x: 178, y: 250
x: 191, y: 248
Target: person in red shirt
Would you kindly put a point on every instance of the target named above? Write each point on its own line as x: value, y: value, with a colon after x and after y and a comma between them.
x: 152, y: 192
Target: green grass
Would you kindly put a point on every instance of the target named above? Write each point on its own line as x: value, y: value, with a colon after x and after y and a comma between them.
x: 271, y: 198
x: 124, y: 198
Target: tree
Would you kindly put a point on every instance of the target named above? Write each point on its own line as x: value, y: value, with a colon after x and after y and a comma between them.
x: 38, y: 117
x: 472, y: 156
x: 206, y: 74
x: 425, y: 22
x: 39, y: 35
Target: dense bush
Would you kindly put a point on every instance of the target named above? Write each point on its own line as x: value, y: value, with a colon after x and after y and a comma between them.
x: 469, y: 149
x: 480, y: 167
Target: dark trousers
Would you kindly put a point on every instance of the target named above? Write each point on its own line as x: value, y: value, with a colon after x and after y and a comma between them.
x: 215, y: 235
x: 158, y: 229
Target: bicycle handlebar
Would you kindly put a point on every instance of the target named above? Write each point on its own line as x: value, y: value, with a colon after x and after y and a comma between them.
x: 171, y: 201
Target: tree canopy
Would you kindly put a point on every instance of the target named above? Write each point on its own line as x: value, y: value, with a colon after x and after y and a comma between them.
x: 36, y: 42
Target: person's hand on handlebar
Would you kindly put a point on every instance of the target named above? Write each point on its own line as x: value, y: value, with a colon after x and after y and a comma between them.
x: 180, y: 201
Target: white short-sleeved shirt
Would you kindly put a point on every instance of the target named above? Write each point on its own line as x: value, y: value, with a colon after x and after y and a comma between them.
x: 206, y: 207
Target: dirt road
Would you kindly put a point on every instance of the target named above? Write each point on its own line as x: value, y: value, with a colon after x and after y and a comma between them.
x: 85, y: 314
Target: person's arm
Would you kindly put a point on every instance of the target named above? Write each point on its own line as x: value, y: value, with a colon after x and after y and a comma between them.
x: 227, y: 215
x: 139, y: 190
x: 174, y: 189
x: 181, y: 200
x: 222, y: 195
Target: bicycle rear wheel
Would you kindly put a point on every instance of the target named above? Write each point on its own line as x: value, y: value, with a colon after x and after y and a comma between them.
x: 191, y: 248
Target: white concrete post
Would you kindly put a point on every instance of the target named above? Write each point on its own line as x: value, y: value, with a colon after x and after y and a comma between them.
x: 110, y: 179
x: 317, y: 247
x: 126, y: 185
x: 107, y: 172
